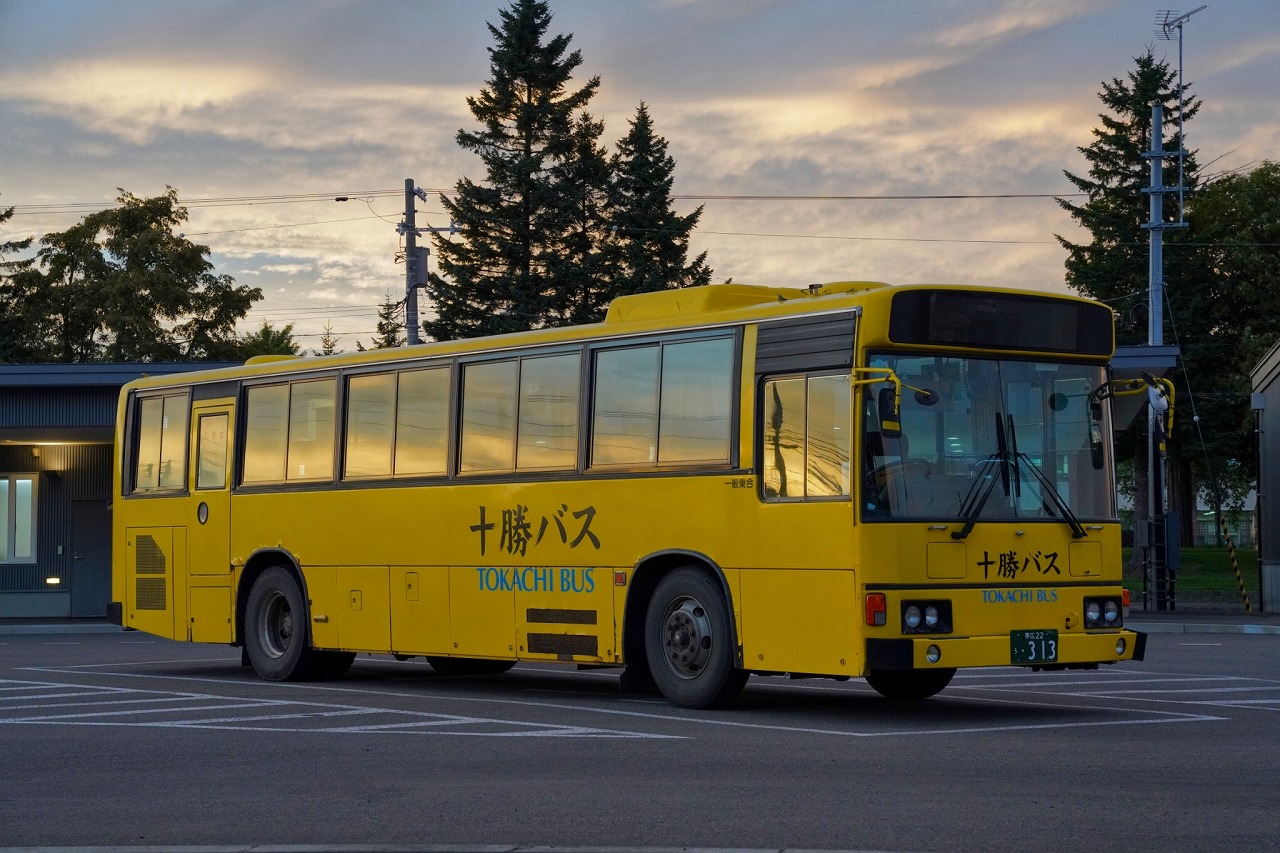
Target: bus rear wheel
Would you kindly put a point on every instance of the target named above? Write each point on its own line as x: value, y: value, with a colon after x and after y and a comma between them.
x: 689, y: 641
x: 276, y: 635
x: 909, y: 684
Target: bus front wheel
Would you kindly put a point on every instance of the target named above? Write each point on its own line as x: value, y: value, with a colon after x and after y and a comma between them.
x: 689, y: 641
x: 910, y: 684
x: 276, y: 635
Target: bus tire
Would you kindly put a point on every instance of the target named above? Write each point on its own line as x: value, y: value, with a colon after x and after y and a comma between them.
x: 276, y: 634
x: 909, y: 684
x: 469, y: 666
x: 689, y: 641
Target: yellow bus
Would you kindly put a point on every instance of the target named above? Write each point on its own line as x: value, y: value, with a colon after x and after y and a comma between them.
x: 847, y: 480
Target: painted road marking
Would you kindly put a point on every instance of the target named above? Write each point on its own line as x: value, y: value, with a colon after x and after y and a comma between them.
x: 654, y: 712
x: 199, y: 710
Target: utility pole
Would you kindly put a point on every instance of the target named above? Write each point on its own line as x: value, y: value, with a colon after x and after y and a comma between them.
x: 415, y: 259
x: 409, y: 229
x: 1161, y: 565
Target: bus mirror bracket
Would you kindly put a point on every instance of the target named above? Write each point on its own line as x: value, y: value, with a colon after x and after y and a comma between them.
x: 889, y: 400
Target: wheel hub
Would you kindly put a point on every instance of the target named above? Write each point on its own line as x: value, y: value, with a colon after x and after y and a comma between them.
x: 687, y: 638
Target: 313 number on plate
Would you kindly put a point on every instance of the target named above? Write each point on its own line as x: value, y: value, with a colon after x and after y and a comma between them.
x: 1033, y: 646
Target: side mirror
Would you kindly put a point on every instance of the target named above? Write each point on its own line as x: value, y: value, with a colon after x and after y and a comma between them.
x: 890, y: 420
x: 1095, y: 446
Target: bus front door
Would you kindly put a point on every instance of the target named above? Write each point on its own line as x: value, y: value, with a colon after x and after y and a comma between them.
x: 209, y: 592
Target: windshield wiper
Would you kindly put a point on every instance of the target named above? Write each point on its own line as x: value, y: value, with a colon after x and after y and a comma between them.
x: 976, y: 499
x: 1047, y: 488
x: 1046, y: 485
x: 1008, y: 457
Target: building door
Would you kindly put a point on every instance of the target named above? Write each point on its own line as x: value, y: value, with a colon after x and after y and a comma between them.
x: 90, y: 558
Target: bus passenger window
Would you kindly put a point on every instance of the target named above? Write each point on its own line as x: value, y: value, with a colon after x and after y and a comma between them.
x: 625, y: 421
x: 827, y: 437
x: 266, y: 432
x: 806, y: 437
x: 488, y: 417
x: 422, y: 422
x: 311, y: 430
x: 784, y: 438
x: 548, y: 427
x: 697, y: 398
x: 211, y: 455
x: 162, y: 443
x: 370, y: 401
x: 146, y: 475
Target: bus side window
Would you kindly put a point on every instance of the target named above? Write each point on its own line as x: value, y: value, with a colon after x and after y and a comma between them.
x: 312, y: 416
x: 422, y: 422
x: 489, y: 417
x: 695, y: 412
x: 547, y: 435
x: 162, y: 443
x: 266, y: 433
x: 806, y: 437
x: 369, y: 434
x: 625, y: 412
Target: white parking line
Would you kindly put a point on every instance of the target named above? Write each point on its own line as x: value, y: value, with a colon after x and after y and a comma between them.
x: 1125, y: 716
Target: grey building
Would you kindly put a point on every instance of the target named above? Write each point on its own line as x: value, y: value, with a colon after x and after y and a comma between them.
x: 57, y: 427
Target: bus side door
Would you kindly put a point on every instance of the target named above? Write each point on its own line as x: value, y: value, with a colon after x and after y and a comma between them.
x: 210, y: 595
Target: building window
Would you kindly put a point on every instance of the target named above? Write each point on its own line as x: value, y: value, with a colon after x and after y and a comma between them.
x: 18, y: 518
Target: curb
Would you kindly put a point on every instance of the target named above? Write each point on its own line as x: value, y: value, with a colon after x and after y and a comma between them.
x: 1201, y: 628
x: 55, y: 628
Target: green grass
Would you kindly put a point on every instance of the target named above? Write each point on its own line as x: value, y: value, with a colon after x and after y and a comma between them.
x: 1204, y: 569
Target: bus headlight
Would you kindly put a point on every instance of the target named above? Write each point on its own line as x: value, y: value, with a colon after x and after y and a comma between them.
x: 1103, y: 611
x: 1092, y: 613
x: 926, y: 617
x: 1110, y: 611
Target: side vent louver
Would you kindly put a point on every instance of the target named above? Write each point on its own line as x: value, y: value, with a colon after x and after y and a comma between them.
x: 150, y: 591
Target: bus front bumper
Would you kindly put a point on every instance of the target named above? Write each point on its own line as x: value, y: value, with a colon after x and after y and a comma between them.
x: 1073, y: 650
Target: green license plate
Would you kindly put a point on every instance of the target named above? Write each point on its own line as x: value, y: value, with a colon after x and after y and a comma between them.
x: 1033, y: 646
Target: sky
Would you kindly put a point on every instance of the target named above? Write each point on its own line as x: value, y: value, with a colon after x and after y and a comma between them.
x: 793, y: 123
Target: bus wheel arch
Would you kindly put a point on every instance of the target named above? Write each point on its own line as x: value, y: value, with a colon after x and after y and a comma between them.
x: 259, y: 562
x: 276, y: 625
x: 689, y: 636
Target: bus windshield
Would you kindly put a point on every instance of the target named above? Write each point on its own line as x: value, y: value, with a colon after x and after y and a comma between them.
x: 988, y: 439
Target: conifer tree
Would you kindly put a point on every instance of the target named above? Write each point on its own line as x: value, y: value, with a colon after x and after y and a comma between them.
x: 390, y: 325
x: 651, y: 241
x: 1113, y: 264
x: 498, y: 275
x: 584, y: 274
x: 328, y: 342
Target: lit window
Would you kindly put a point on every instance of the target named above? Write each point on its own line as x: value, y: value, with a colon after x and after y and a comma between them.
x: 18, y: 518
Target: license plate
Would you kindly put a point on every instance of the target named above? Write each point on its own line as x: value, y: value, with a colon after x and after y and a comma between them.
x: 1033, y: 646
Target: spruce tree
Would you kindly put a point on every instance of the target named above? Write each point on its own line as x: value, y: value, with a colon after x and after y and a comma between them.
x: 498, y: 275
x: 390, y: 325
x: 650, y: 240
x: 584, y: 274
x: 1113, y: 265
